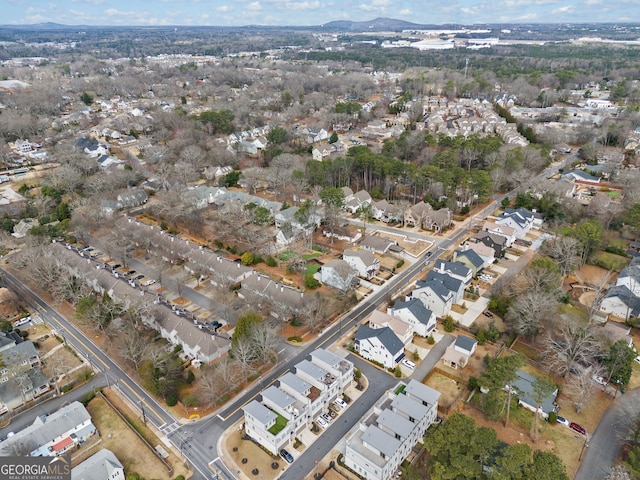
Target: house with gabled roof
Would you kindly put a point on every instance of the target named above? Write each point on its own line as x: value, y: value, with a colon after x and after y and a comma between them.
x: 339, y: 275
x: 621, y: 302
x: 424, y: 216
x: 523, y: 385
x: 102, y: 465
x: 377, y: 244
x: 380, y: 345
x: 363, y: 261
x: 466, y: 345
x: 402, y: 329
x: 470, y: 259
x: 630, y: 276
x: 132, y: 198
x: 385, y: 211
x: 454, y: 269
x: 53, y: 434
x: 506, y: 231
x: 486, y: 253
x: 355, y: 201
x: 497, y: 243
x: 453, y: 284
x: 580, y: 176
x: 521, y: 220
x: 434, y: 296
x: 413, y: 312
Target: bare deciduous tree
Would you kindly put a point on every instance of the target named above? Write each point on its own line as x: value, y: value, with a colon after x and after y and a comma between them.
x: 264, y: 341
x: 581, y: 386
x: 574, y: 344
x: 532, y: 310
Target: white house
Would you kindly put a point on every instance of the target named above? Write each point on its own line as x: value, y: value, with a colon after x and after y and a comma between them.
x: 341, y: 368
x: 415, y: 314
x: 521, y: 220
x: 503, y: 230
x: 363, y: 261
x: 339, y: 274
x: 630, y: 277
x: 453, y: 284
x: 355, y: 201
x: 380, y: 345
x: 621, y: 302
x: 454, y: 269
x: 465, y: 345
x: 434, y: 296
x: 402, y: 329
x: 266, y: 427
x: 102, y: 465
x: 388, y: 433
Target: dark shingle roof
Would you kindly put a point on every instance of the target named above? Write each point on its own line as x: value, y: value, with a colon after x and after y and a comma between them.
x: 415, y: 306
x: 386, y: 336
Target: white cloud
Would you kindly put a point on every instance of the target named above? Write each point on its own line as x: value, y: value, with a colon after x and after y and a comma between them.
x: 565, y: 9
x: 224, y: 8
x: 405, y: 12
x: 254, y: 7
x: 302, y: 5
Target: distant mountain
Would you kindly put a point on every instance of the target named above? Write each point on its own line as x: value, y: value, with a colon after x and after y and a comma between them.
x: 376, y: 25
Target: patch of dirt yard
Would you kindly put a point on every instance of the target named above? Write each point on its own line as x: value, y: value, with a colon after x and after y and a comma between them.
x: 449, y: 389
x: 118, y: 437
x: 593, y: 275
x: 256, y: 457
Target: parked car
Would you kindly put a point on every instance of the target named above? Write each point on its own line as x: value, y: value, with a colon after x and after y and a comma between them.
x: 286, y: 455
x: 322, y: 422
x: 599, y: 380
x: 487, y: 314
x: 138, y: 277
x: 340, y: 402
x: 22, y: 321
x: 563, y: 421
x: 577, y: 428
x: 148, y: 281
x: 637, y: 359
x: 408, y: 363
x: 327, y: 417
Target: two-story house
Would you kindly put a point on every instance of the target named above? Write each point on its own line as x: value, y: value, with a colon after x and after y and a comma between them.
x: 363, y: 261
x: 470, y: 259
x: 380, y: 345
x: 102, y: 465
x: 503, y: 230
x: 415, y: 314
x: 402, y: 329
x: 339, y: 275
x: 434, y: 296
x: 454, y: 269
x: 342, y: 369
x: 453, y: 284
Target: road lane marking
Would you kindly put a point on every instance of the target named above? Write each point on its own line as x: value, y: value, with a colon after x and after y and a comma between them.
x: 253, y: 396
x: 144, y: 402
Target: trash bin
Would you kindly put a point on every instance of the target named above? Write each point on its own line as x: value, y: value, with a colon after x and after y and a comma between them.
x: 623, y: 389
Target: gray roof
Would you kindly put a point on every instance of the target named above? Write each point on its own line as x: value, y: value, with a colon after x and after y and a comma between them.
x: 472, y: 256
x: 422, y: 391
x: 386, y: 336
x: 450, y: 283
x: 524, y: 385
x: 47, y: 428
x: 465, y: 342
x: 630, y: 271
x: 381, y: 441
x: 626, y: 296
x: 341, y: 268
x: 376, y: 243
x: 277, y: 397
x: 409, y: 407
x: 311, y: 369
x: 327, y: 357
x: 288, y: 214
x: 295, y: 383
x: 497, y: 239
x: 395, y: 423
x: 99, y: 466
x: 417, y: 308
x: 456, y: 268
x: 366, y: 256
x: 436, y: 287
x: 261, y: 413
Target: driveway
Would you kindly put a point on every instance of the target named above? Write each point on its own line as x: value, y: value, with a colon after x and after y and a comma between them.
x: 604, y: 447
x: 432, y: 358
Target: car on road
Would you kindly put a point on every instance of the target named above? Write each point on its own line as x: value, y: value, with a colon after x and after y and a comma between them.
x: 340, y: 402
x: 600, y: 381
x: 286, y: 455
x: 578, y: 428
x: 487, y: 314
x: 322, y: 422
x: 408, y: 363
x: 563, y: 421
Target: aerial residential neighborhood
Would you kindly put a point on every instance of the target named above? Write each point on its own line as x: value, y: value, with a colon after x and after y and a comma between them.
x: 357, y: 250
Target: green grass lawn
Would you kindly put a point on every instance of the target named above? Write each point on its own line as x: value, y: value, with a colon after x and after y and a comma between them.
x: 309, y: 256
x: 287, y: 255
x: 610, y: 261
x: 312, y: 268
x: 277, y: 427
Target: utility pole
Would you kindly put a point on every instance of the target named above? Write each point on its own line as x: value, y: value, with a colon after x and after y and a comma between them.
x: 144, y: 417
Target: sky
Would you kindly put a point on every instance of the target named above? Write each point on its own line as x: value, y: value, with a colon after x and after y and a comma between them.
x: 313, y: 12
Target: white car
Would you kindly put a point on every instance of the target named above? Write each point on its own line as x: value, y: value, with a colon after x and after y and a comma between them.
x: 563, y: 421
x: 340, y: 402
x: 148, y: 282
x: 326, y: 417
x: 600, y: 381
x: 638, y: 359
x: 322, y: 422
x: 409, y: 364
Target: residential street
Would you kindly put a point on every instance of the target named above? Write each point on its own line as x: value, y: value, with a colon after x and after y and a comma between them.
x: 603, y: 446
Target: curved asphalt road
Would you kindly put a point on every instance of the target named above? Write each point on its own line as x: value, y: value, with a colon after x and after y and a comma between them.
x: 604, y: 447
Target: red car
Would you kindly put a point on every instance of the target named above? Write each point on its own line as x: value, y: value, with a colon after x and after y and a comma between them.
x: 578, y: 428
